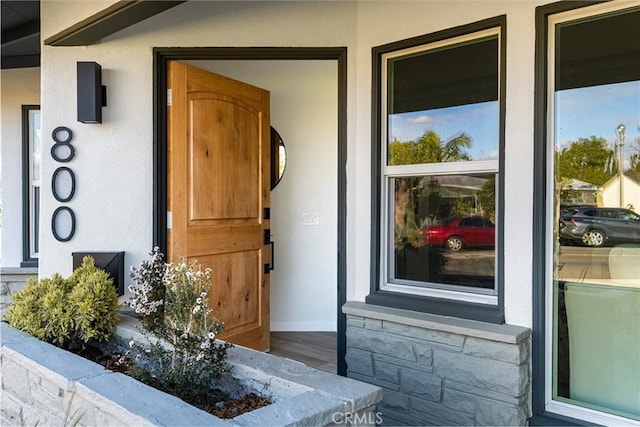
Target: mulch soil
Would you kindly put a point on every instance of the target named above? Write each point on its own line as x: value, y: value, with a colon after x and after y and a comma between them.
x: 214, y: 401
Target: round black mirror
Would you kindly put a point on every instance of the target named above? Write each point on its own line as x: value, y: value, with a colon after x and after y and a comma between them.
x: 278, y: 158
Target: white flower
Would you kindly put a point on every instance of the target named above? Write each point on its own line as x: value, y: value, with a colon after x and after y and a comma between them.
x: 196, y: 309
x: 131, y: 343
x: 212, y: 335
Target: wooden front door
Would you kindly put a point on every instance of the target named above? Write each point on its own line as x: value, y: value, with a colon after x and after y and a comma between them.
x: 218, y: 190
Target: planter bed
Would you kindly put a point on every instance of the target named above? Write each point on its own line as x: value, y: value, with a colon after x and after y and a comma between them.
x: 40, y: 382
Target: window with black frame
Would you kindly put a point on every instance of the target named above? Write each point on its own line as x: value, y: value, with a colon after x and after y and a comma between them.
x: 592, y: 147
x: 439, y: 141
x: 31, y: 159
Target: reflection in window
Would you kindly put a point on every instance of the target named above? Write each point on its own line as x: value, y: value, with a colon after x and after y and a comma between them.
x: 444, y: 230
x: 595, y: 111
x: 439, y: 109
x: 415, y: 137
x: 441, y: 126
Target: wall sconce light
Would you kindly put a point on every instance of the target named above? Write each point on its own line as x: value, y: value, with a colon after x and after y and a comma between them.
x: 92, y: 96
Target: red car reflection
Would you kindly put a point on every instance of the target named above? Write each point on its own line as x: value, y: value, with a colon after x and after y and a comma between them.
x: 461, y: 232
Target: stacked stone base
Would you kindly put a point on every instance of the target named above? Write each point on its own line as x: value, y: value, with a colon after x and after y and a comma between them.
x: 12, y: 280
x: 436, y: 370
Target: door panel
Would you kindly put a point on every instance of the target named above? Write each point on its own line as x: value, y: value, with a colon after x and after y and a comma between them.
x: 235, y: 296
x: 218, y: 187
x: 216, y: 124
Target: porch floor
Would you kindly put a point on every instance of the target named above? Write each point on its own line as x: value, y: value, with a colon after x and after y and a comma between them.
x: 315, y: 349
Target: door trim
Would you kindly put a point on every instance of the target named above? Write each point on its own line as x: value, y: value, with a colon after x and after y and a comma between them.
x: 161, y: 56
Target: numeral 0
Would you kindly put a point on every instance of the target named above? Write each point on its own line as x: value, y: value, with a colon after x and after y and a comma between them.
x: 72, y: 219
x: 54, y: 186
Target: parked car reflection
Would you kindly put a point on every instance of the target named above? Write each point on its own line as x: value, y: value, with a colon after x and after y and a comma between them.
x: 592, y: 226
x: 460, y: 232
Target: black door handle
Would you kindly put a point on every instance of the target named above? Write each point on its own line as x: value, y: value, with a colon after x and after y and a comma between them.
x: 273, y: 255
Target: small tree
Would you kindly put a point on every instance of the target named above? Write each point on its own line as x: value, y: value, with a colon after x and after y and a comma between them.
x: 193, y: 358
x: 587, y: 159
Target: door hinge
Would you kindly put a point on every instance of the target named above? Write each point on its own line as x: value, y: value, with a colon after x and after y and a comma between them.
x: 169, y: 220
x: 169, y: 94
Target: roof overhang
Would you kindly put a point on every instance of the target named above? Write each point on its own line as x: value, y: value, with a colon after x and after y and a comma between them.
x: 118, y: 16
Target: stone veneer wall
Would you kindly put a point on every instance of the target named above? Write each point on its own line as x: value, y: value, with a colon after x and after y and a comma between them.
x: 12, y: 280
x: 437, y: 370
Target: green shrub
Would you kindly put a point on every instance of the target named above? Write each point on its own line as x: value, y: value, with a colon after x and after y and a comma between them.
x: 67, y: 312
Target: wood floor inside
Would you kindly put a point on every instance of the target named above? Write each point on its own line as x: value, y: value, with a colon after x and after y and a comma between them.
x: 316, y: 349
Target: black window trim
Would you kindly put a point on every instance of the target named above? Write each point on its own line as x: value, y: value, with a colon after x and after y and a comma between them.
x: 439, y: 306
x: 27, y: 259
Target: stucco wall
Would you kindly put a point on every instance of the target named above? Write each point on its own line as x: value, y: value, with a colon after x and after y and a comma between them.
x: 19, y: 87
x: 113, y: 163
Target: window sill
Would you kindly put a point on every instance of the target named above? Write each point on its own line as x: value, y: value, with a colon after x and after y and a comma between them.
x: 555, y: 420
x: 22, y: 270
x: 29, y: 264
x: 438, y: 306
x: 502, y: 333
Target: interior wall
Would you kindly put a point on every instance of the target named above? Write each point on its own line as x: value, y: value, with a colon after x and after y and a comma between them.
x: 304, y: 204
x: 19, y: 87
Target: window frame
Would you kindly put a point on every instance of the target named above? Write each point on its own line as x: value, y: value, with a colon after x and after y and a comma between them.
x: 29, y: 230
x: 445, y: 305
x: 547, y: 411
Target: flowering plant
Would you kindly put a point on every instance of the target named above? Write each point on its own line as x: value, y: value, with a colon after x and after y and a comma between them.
x: 148, y: 295
x: 171, y: 301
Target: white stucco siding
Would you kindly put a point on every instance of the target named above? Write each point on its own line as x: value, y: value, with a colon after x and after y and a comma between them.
x: 113, y: 163
x: 113, y: 160
x: 19, y: 87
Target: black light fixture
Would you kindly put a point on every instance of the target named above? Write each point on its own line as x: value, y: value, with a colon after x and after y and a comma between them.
x: 92, y: 96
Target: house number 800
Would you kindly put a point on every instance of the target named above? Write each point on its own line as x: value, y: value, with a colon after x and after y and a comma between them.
x: 62, y: 137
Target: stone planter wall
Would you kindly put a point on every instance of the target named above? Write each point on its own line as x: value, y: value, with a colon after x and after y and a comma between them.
x: 40, y: 382
x: 436, y: 370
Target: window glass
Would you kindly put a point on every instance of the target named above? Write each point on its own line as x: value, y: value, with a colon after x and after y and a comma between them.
x: 439, y: 233
x: 595, y: 116
x: 36, y: 155
x: 31, y: 180
x: 441, y: 126
x: 441, y: 110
